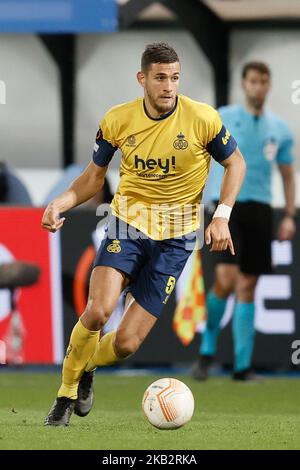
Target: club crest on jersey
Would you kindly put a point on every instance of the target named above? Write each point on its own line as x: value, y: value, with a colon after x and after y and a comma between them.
x: 180, y: 143
x: 114, y: 247
x: 131, y: 141
x: 270, y: 149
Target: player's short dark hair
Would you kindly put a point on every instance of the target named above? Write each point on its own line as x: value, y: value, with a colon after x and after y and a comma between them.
x: 260, y: 67
x: 159, y: 52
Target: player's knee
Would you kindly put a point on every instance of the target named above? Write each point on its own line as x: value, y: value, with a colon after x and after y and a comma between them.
x: 95, y: 316
x: 222, y: 288
x: 225, y: 278
x: 245, y: 294
x: 126, y: 344
x: 245, y: 288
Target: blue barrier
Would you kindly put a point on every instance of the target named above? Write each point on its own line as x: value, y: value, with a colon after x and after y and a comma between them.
x: 58, y: 16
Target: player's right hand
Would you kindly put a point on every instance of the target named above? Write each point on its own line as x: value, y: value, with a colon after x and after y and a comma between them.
x: 51, y: 220
x: 218, y: 235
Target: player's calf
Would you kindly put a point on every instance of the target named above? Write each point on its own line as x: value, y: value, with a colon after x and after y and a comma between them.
x: 125, y: 345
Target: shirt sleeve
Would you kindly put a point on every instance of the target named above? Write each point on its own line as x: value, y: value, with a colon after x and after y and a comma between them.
x: 284, y: 154
x: 105, y: 146
x: 221, y: 143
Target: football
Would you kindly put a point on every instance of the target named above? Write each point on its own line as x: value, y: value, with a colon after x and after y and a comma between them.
x: 168, y: 404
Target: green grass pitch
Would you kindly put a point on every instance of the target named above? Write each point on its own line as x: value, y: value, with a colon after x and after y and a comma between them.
x: 227, y: 415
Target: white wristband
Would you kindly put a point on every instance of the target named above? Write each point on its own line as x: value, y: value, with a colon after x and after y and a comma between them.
x: 223, y: 211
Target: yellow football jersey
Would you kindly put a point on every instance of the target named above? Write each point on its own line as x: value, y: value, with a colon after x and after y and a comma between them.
x: 164, y: 165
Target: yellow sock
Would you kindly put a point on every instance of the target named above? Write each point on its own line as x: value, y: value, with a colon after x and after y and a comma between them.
x: 105, y: 354
x: 82, y: 345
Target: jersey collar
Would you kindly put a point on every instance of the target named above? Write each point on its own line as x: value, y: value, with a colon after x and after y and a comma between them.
x: 253, y: 116
x: 164, y: 116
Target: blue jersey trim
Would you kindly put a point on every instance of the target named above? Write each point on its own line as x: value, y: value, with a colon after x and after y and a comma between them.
x: 103, y: 151
x: 164, y: 116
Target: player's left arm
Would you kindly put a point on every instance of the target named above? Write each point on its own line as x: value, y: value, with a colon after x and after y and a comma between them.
x: 223, y: 148
x: 287, y: 226
x: 218, y: 232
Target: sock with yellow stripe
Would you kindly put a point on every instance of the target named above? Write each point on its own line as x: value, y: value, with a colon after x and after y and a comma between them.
x: 83, y: 343
x: 105, y: 354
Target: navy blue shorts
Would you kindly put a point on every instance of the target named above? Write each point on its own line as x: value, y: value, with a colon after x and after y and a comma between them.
x: 153, y: 267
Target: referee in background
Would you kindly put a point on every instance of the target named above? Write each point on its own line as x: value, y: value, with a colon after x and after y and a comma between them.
x: 263, y: 139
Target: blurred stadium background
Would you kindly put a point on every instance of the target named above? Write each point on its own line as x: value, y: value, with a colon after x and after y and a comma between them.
x: 63, y: 63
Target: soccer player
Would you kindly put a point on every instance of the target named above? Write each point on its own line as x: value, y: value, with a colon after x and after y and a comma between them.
x: 166, y: 141
x: 263, y: 138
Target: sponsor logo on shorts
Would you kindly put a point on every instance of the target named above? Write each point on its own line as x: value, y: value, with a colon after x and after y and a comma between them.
x: 114, y: 247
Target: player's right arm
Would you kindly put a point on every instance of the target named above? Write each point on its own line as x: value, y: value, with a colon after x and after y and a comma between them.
x: 81, y: 190
x: 87, y: 184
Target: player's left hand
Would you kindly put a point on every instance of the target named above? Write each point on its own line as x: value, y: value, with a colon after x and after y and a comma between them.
x: 286, y: 229
x: 218, y: 234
